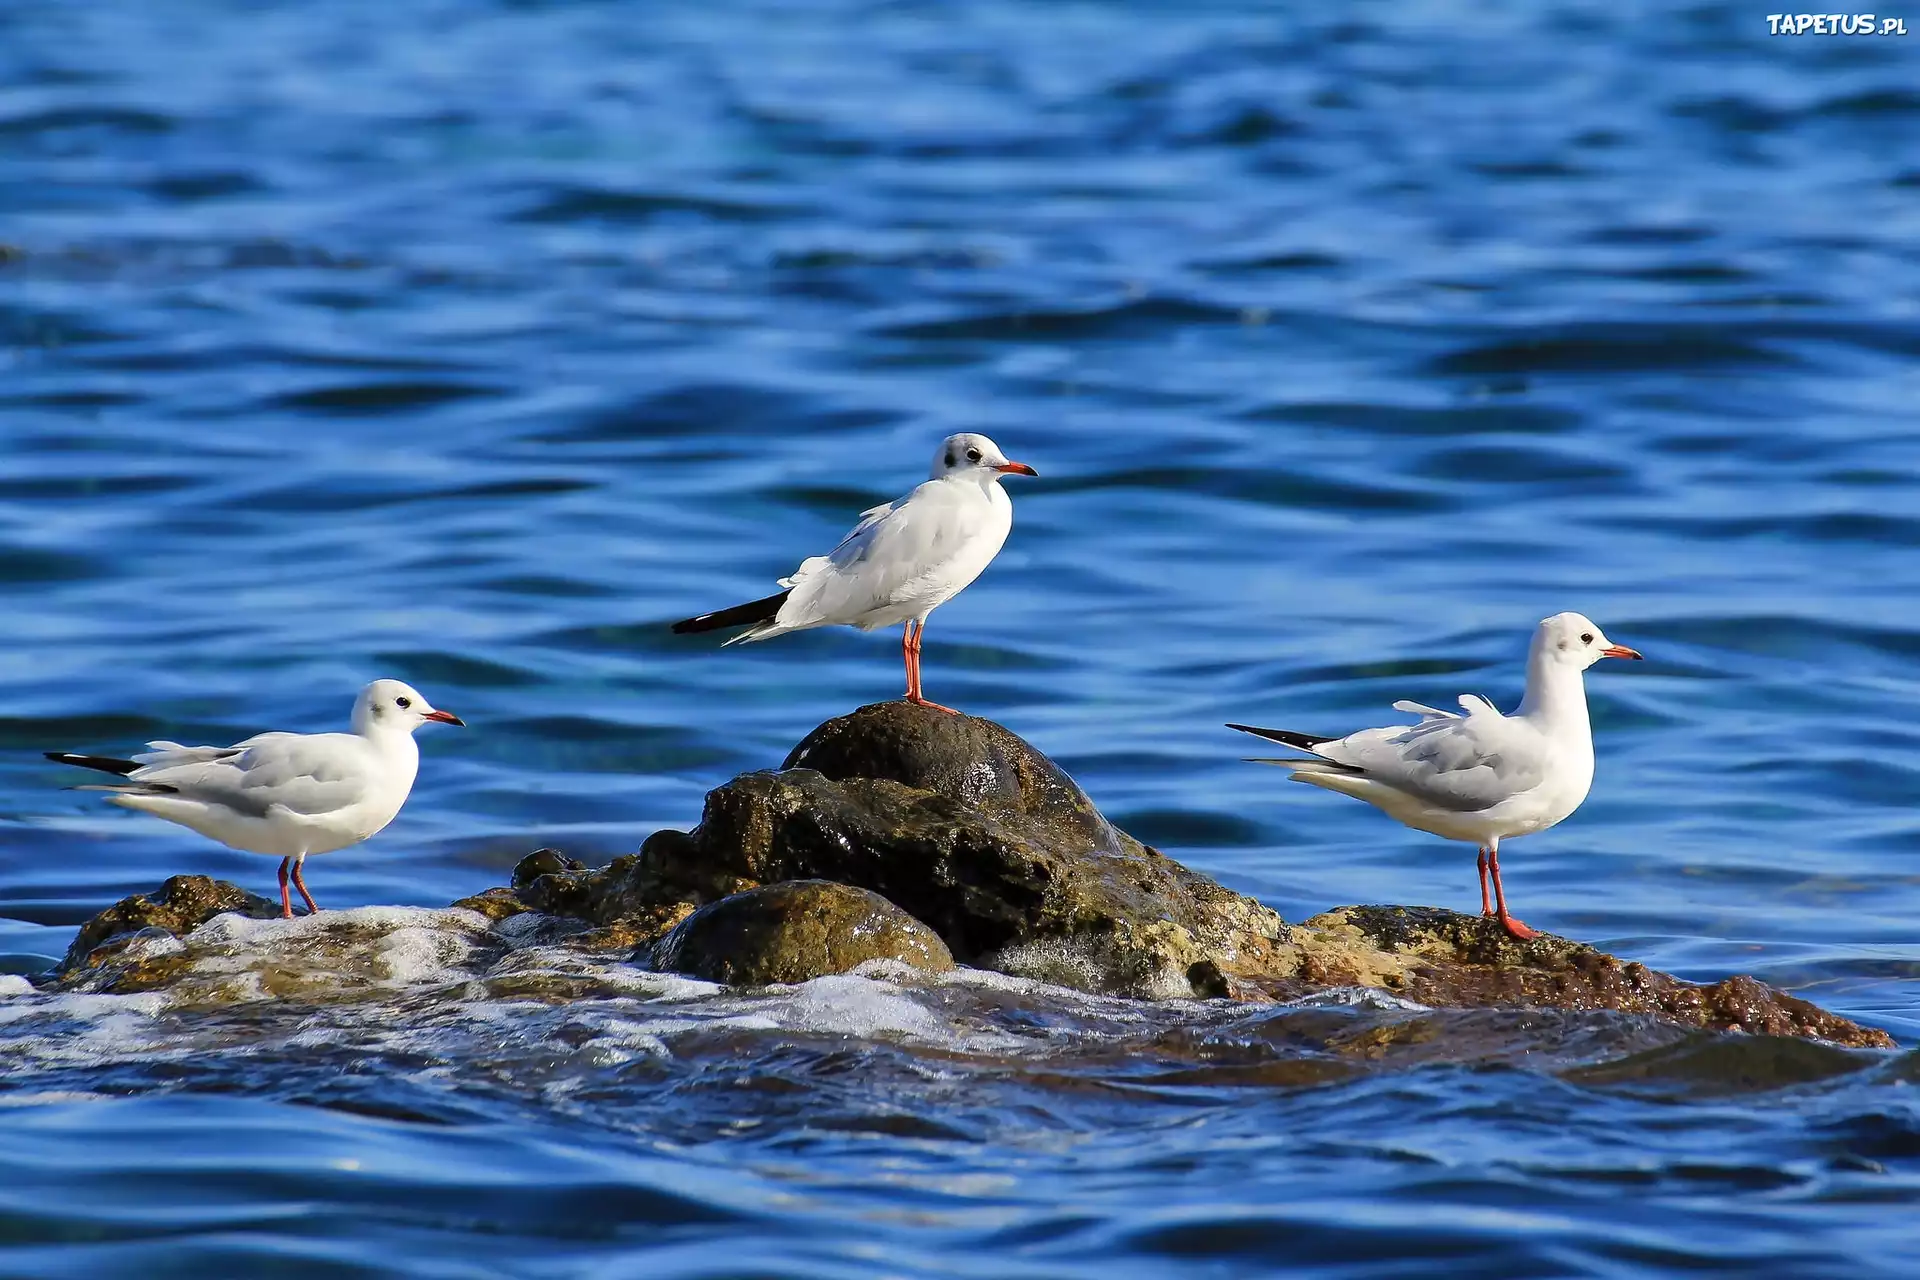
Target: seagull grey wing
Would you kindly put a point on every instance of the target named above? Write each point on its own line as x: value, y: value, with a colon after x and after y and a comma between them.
x: 164, y: 753
x: 307, y: 775
x: 848, y: 546
x: 1464, y: 764
x: 891, y: 548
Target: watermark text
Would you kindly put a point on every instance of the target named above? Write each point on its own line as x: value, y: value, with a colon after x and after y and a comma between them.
x: 1834, y: 24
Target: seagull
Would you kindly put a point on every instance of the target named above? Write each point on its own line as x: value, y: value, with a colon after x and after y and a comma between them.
x: 1481, y: 776
x: 286, y: 794
x: 900, y: 563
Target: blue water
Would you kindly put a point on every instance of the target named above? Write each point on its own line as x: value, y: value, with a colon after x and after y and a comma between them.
x: 473, y: 341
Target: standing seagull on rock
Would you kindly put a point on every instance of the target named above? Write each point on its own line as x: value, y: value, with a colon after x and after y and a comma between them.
x: 285, y: 794
x: 900, y: 563
x: 1480, y: 776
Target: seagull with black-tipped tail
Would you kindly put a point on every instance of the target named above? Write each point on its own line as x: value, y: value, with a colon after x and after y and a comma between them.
x: 1480, y: 776
x: 290, y: 795
x: 900, y: 563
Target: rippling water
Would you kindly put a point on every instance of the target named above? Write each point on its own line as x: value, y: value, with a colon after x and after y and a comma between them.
x: 473, y: 341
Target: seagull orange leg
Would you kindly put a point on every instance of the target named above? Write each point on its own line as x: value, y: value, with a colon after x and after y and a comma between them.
x: 286, y: 900
x: 1512, y: 926
x: 301, y: 885
x: 914, y: 695
x: 1486, y: 903
x: 906, y: 656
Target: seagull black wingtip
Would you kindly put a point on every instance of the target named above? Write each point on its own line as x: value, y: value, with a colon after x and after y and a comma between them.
x: 105, y: 764
x: 739, y: 615
x: 1300, y: 741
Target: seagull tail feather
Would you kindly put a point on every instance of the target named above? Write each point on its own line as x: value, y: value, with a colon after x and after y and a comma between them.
x: 105, y: 764
x: 754, y: 611
x: 1307, y: 765
x: 1285, y: 737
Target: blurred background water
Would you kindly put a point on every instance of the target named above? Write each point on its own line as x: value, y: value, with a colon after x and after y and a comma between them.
x: 473, y: 341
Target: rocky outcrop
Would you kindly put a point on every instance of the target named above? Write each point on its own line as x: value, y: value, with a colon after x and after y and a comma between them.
x: 971, y: 830
x: 176, y: 908
x: 904, y: 833
x: 1447, y: 960
x: 795, y: 931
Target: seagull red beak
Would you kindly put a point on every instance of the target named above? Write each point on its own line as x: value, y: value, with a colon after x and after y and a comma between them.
x: 447, y: 717
x: 1016, y: 469
x: 1620, y: 651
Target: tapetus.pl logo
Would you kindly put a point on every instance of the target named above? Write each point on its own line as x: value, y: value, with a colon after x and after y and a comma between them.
x: 1834, y: 24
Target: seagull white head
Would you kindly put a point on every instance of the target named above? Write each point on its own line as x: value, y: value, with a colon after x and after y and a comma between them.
x: 1574, y: 640
x: 972, y: 454
x: 386, y: 706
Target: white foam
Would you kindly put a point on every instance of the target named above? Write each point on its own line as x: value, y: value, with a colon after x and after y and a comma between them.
x: 854, y: 1005
x: 12, y: 984
x: 52, y: 1097
x: 1081, y: 963
x: 230, y: 928
x: 615, y: 977
x: 1356, y: 998
x: 150, y: 944
x: 67, y: 1030
x: 389, y: 946
x: 416, y: 955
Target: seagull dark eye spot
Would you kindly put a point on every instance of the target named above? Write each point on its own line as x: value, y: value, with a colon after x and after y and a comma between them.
x: 949, y: 459
x: 973, y: 455
x: 1585, y: 638
x: 403, y: 703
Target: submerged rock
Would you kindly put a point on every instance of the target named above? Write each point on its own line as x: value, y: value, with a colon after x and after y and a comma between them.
x: 902, y: 833
x: 176, y: 908
x: 795, y: 931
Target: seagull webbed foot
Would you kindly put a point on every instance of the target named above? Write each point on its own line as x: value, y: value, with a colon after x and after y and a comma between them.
x: 919, y: 701
x: 1516, y: 930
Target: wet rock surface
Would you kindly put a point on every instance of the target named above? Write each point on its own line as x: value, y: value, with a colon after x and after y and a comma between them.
x: 971, y: 830
x: 795, y: 931
x: 176, y: 908
x: 905, y: 834
x: 976, y: 763
x: 1445, y: 959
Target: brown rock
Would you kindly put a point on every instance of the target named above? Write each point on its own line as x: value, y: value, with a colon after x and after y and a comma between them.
x: 795, y: 931
x: 495, y: 904
x: 975, y: 763
x: 977, y: 834
x: 1449, y: 960
x: 181, y: 905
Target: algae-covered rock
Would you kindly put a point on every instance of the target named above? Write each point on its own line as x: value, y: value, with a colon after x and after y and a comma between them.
x: 795, y: 931
x: 1449, y: 960
x: 180, y: 906
x: 625, y: 902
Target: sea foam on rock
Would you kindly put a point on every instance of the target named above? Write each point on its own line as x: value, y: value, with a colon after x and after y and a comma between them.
x: 904, y: 834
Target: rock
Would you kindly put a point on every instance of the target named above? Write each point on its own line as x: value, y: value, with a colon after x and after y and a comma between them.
x: 795, y: 931
x: 183, y: 904
x: 1449, y: 960
x: 973, y: 762
x: 495, y: 904
x: 983, y: 838
x: 543, y: 862
x: 903, y: 833
x: 623, y: 898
